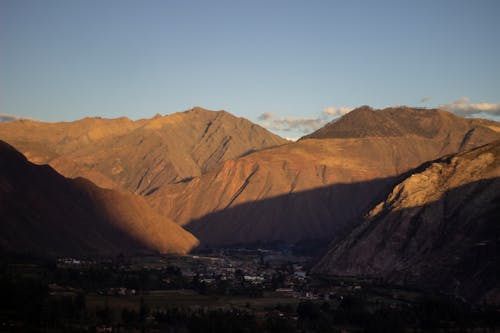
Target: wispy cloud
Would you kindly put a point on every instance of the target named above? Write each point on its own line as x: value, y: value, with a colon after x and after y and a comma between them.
x: 301, y: 124
x: 5, y: 118
x: 426, y: 99
x: 464, y: 107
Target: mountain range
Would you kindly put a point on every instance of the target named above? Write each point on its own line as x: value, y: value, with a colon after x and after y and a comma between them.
x: 139, y: 156
x: 318, y: 186
x: 409, y: 195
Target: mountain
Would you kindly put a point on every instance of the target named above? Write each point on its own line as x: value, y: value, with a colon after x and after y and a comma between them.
x: 438, y: 228
x: 47, y: 214
x: 141, y: 155
x: 404, y: 121
x: 318, y: 186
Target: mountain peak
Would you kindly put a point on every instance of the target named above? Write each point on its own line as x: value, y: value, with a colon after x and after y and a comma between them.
x: 199, y: 109
x: 397, y: 122
x: 362, y: 109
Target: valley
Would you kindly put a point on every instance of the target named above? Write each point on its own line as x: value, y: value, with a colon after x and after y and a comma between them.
x: 215, y: 293
x: 200, y: 221
x: 249, y: 166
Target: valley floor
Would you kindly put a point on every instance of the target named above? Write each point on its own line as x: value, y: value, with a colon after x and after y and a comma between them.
x: 231, y: 290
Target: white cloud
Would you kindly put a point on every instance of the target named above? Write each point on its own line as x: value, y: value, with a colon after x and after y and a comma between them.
x: 304, y: 125
x: 336, y: 111
x: 5, y: 118
x: 462, y: 106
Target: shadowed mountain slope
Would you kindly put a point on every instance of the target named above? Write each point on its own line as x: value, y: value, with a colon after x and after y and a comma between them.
x: 44, y: 213
x: 139, y: 155
x: 438, y: 228
x: 288, y: 171
x: 289, y: 218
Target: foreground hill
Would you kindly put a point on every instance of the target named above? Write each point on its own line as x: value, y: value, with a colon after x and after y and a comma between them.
x: 139, y: 155
x: 46, y: 214
x: 438, y: 228
x: 315, y: 187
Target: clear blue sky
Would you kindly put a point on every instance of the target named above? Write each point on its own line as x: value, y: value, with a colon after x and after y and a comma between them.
x: 67, y: 59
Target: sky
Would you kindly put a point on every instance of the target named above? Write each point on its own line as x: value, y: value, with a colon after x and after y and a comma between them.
x: 290, y: 66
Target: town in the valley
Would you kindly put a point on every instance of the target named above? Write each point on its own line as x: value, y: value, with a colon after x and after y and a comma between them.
x: 222, y: 290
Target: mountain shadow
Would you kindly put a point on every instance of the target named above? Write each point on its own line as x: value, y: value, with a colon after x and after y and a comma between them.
x: 323, y: 213
x: 47, y: 214
x: 318, y: 214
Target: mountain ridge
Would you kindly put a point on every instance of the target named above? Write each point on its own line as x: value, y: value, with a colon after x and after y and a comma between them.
x: 400, y: 121
x: 139, y: 155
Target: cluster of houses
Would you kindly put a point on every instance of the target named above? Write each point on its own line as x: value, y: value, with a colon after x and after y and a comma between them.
x: 75, y: 262
x: 263, y: 270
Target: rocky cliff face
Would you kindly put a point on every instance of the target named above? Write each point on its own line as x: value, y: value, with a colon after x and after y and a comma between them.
x: 315, y: 187
x: 438, y: 228
x: 142, y: 155
x: 44, y: 213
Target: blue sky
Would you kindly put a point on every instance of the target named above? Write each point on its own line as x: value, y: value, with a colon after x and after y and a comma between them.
x: 289, y: 60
